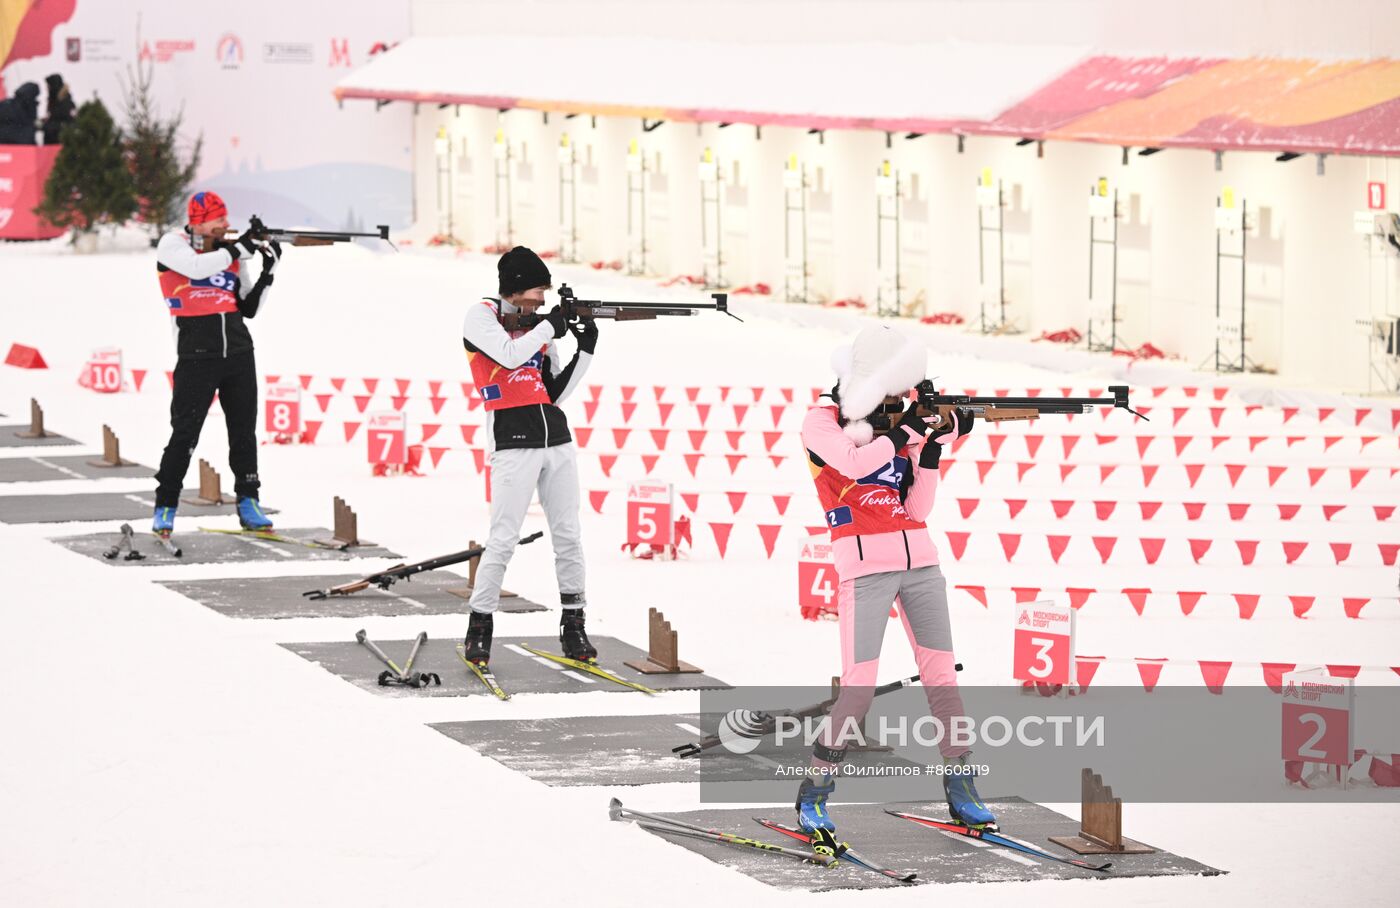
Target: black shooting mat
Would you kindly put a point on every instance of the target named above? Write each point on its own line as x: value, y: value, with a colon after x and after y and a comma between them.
x: 102, y: 506
x: 69, y: 466
x: 281, y: 597
x: 216, y: 548
x: 937, y: 856
x: 10, y: 438
x: 614, y: 750
x: 517, y: 671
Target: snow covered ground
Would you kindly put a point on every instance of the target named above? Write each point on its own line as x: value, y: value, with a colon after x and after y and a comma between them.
x: 158, y: 753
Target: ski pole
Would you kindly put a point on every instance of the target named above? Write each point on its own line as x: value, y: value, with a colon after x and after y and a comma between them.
x: 363, y: 639
x: 666, y: 824
x: 417, y: 644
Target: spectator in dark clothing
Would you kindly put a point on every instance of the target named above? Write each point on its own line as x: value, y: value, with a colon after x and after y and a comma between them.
x: 19, y: 115
x: 61, y: 110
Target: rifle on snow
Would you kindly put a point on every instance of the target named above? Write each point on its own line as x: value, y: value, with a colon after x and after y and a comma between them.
x: 264, y: 233
x: 744, y: 723
x: 1004, y: 409
x: 576, y: 309
x: 387, y: 578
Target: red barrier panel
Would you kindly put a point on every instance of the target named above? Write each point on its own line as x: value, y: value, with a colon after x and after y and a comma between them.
x: 23, y: 171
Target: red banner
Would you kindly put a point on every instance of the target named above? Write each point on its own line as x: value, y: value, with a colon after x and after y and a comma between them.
x: 23, y: 171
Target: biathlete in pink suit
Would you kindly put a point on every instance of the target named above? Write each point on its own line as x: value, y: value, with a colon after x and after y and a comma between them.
x: 876, y: 471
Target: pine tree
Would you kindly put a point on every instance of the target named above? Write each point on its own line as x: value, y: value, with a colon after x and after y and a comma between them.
x: 90, y: 183
x: 152, y: 150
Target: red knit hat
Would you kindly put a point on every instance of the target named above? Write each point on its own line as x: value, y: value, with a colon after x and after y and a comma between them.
x: 206, y: 206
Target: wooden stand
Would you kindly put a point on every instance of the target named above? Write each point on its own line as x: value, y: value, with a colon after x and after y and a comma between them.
x: 662, y: 649
x: 1100, y: 822
x: 210, y: 493
x: 111, y: 451
x: 36, y: 422
x: 347, y: 527
x: 465, y: 592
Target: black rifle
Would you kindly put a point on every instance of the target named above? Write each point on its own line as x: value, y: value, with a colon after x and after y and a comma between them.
x: 387, y: 578
x: 576, y: 310
x: 265, y: 234
x: 1004, y: 409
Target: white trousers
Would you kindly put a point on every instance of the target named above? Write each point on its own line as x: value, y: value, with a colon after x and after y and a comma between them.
x: 516, y: 475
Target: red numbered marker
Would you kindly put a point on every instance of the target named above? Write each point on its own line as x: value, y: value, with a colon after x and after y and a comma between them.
x: 387, y: 438
x: 1043, y: 652
x: 649, y: 513
x: 282, y: 410
x: 817, y: 581
x: 104, y: 371
x: 1317, y: 713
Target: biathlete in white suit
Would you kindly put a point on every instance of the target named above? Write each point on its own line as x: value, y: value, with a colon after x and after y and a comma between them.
x: 876, y: 472
x: 521, y: 381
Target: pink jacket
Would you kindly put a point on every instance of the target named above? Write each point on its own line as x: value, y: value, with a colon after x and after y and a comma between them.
x: 874, y: 553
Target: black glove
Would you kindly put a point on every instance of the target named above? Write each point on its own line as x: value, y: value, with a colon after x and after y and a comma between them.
x: 271, y: 255
x: 555, y: 317
x: 911, y: 421
x: 247, y: 241
x: 585, y: 331
x: 961, y: 422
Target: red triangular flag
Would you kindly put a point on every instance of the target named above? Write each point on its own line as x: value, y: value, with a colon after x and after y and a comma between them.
x: 1033, y: 444
x: 1069, y: 441
x: 1353, y: 606
x: 1324, y: 412
x: 1105, y: 546
x: 628, y: 391
x: 338, y: 384
x: 649, y: 463
x: 1057, y: 546
x: 703, y: 411
x: 1104, y: 509
x: 958, y: 543
x: 769, y: 532
x: 697, y: 437
x: 323, y: 401
x: 976, y: 592
x: 1150, y: 671
x: 665, y: 411
x: 1234, y: 470
x: 692, y: 462
x: 776, y: 411
x: 1023, y: 468
x: 1288, y: 511
x: 1247, y: 548
x: 310, y: 429
x: 1025, y: 593
x: 596, y: 497
x: 469, y: 432
x: 429, y: 430
x: 692, y: 500
x: 590, y: 409
x: 1078, y: 596
x: 361, y: 401
x: 1237, y: 511
x: 582, y: 434
x: 787, y: 394
x: 1182, y: 441
x: 1247, y: 604
x: 691, y: 394
x: 1301, y: 604
x: 1341, y: 551
x: 1014, y: 506
x: 1188, y: 601
x: 435, y: 455
x: 780, y: 502
x: 350, y: 429
x: 1177, y: 413
x: 1274, y: 474
x: 967, y: 505
x: 436, y: 403
x: 1152, y: 549
x: 721, y: 531
x: 658, y: 438
x: 1085, y: 667
x: 1357, y: 474
x: 1010, y: 542
x: 736, y: 501
x: 1149, y: 471
x: 1330, y: 510
x: 1316, y: 473
x: 305, y: 381
x: 434, y: 388
x: 657, y: 391
x: 1199, y: 547
x: 1143, y: 443
x: 398, y: 402
x: 1383, y: 511
x: 620, y: 437
x: 740, y: 411
x: 607, y: 461
x: 1255, y: 440
x: 1214, y: 674
x: 1061, y: 507
x: 595, y: 392
x: 1388, y: 552
x: 995, y: 442
x: 734, y: 461
x: 734, y: 437
x: 1148, y: 508
x: 1105, y: 471
x: 1215, y: 414
x: 1193, y: 473
x: 983, y: 468
x: 724, y: 392
x: 1065, y: 470
x: 770, y: 439
x: 1343, y: 671
x: 402, y: 384
x: 1293, y: 550
x: 479, y: 460
x: 1274, y: 672
x: 628, y: 408
x: 1137, y: 597
x: 370, y: 384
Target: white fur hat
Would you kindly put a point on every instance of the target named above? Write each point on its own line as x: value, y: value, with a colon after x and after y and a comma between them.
x: 879, y: 362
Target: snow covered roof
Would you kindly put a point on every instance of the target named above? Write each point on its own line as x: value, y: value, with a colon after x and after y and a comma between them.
x: 921, y: 88
x: 1264, y: 104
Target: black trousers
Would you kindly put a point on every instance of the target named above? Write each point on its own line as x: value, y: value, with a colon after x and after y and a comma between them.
x: 196, y: 380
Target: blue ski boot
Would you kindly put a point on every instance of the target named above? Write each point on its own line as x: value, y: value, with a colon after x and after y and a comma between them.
x: 251, y: 515
x: 964, y: 803
x: 813, y: 817
x: 163, y: 523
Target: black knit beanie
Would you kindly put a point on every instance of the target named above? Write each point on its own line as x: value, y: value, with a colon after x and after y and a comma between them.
x: 520, y: 269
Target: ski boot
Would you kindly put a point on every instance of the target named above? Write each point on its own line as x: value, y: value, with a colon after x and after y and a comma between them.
x: 813, y: 818
x: 251, y: 516
x: 478, y: 640
x: 965, y: 805
x: 163, y: 523
x: 573, y: 639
